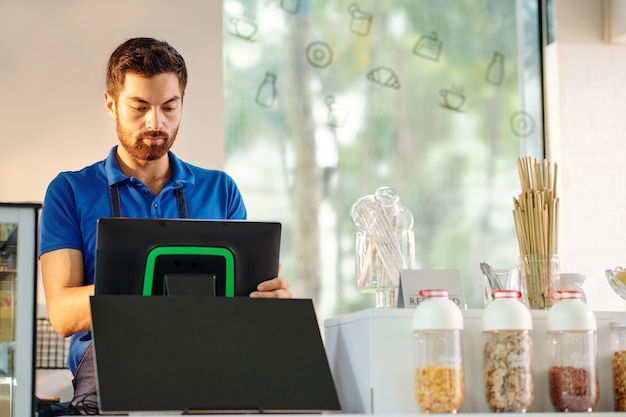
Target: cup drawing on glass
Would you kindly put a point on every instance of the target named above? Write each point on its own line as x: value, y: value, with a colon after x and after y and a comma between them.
x: 243, y: 28
x: 360, y: 21
x: 384, y: 244
x: 453, y: 98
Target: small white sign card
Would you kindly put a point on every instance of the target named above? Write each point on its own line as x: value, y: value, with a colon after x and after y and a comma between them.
x: 414, y: 280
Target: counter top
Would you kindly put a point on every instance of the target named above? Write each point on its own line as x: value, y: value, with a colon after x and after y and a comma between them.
x: 370, y: 355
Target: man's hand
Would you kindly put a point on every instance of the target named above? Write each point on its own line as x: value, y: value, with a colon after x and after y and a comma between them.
x: 272, y: 288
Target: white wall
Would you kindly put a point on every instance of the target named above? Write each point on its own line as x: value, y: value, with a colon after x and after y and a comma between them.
x: 52, y: 115
x: 582, y: 20
x: 53, y: 60
x: 585, y: 106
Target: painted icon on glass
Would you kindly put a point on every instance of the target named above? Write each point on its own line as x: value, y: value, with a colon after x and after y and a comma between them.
x: 319, y: 54
x: 291, y: 6
x: 522, y: 124
x: 495, y: 69
x: 360, y: 21
x: 266, y: 93
x: 243, y: 27
x: 429, y: 47
x: 453, y: 98
x: 384, y: 76
x: 337, y: 113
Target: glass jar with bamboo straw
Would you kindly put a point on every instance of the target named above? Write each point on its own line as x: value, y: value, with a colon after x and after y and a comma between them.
x: 540, y: 274
x: 536, y: 215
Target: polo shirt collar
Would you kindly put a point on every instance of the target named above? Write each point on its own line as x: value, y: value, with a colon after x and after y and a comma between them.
x: 181, y: 173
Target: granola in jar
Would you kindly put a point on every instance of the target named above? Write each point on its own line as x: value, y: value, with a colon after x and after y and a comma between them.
x: 617, y: 332
x: 573, y: 389
x: 508, y: 353
x: 439, y: 389
x: 437, y: 353
x: 508, y: 371
x: 618, y: 361
x: 572, y: 342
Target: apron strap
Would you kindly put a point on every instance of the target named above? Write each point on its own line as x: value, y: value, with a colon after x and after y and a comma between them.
x: 116, y: 205
x: 181, y: 202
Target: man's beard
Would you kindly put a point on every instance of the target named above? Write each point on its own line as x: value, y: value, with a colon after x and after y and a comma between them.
x: 134, y: 145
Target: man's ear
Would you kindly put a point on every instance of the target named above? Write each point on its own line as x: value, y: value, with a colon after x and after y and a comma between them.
x: 109, y: 102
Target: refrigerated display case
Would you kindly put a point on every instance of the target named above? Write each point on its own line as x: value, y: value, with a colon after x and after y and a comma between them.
x: 18, y: 285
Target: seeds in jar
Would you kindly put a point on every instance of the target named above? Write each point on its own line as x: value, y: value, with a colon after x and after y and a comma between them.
x: 508, y: 371
x: 618, y: 361
x: 439, y: 389
x: 573, y: 389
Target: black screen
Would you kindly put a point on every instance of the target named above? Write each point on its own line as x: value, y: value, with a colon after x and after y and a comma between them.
x: 124, y: 246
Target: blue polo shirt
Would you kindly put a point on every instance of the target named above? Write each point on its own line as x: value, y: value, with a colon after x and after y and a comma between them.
x: 75, y: 200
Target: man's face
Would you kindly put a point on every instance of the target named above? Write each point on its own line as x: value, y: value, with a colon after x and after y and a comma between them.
x: 147, y: 114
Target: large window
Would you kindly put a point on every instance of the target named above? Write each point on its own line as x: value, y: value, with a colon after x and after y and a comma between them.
x: 327, y: 100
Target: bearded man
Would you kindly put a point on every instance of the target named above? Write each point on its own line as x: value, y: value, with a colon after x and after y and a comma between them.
x: 141, y: 177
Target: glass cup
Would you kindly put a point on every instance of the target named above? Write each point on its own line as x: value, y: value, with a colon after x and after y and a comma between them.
x: 573, y: 282
x: 376, y: 270
x: 371, y: 274
x: 506, y: 279
x: 540, y: 275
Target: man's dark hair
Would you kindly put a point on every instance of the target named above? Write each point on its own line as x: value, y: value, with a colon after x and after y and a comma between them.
x: 146, y: 57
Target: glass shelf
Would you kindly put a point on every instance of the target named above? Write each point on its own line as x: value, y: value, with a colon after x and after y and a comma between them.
x: 18, y: 278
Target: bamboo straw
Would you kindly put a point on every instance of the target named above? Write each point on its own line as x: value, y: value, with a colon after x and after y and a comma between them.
x: 536, y: 214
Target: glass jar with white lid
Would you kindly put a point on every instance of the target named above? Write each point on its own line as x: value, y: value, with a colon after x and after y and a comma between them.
x: 437, y: 353
x: 572, y: 353
x: 508, y: 353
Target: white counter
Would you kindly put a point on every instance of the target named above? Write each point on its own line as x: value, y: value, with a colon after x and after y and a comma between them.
x: 370, y: 355
x: 602, y: 414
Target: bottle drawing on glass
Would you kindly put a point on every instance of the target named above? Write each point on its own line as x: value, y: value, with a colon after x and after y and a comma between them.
x: 291, y: 6
x: 495, y: 69
x: 266, y: 94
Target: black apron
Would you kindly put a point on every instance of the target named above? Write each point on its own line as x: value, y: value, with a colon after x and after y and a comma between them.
x: 85, y: 399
